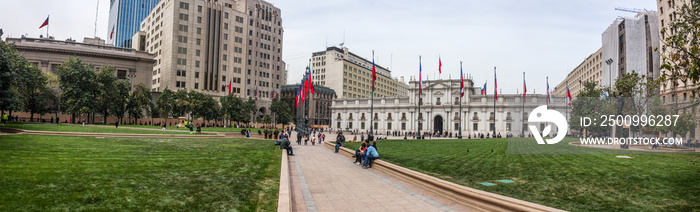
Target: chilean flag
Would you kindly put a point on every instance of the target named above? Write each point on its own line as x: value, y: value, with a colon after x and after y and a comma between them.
x: 483, y: 90
x: 311, y: 82
x: 440, y: 64
x: 420, y: 76
x: 495, y: 85
x: 549, y: 99
x: 374, y: 72
x: 461, y: 80
x: 46, y: 23
x: 568, y: 93
x: 229, y: 84
x: 297, y: 105
x: 524, y: 91
x: 111, y: 34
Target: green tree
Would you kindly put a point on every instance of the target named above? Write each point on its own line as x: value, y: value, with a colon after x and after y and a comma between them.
x: 31, y: 87
x: 203, y: 106
x: 681, y: 51
x: 105, y: 95
x: 266, y: 119
x: 9, y: 59
x: 588, y: 103
x: 77, y: 81
x: 230, y: 106
x: 281, y: 110
x: 140, y: 102
x: 182, y: 103
x: 247, y: 109
x: 166, y: 103
x: 52, y: 84
x: 119, y: 106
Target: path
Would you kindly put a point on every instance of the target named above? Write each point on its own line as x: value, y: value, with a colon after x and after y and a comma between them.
x: 326, y: 181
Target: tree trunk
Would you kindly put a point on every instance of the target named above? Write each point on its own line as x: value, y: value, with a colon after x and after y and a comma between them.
x: 31, y: 116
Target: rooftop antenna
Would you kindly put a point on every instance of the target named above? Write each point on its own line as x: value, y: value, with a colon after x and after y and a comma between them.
x: 343, y: 35
x: 97, y: 11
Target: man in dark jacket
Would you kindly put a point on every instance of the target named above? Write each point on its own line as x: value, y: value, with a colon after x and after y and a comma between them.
x: 287, y: 145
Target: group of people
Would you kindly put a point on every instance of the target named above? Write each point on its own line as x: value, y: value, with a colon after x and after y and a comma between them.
x: 366, y: 154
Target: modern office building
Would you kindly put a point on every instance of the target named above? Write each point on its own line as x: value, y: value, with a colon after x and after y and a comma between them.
x: 351, y: 75
x: 47, y: 54
x: 589, y: 70
x: 630, y: 43
x: 440, y: 110
x: 205, y: 45
x: 317, y: 108
x: 125, y: 18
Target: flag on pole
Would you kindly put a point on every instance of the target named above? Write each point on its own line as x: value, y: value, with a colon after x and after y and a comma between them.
x: 374, y: 71
x: 111, y: 34
x: 549, y: 98
x: 311, y: 82
x: 524, y: 90
x: 229, y: 86
x: 495, y: 85
x: 483, y: 89
x: 46, y: 23
x: 420, y: 77
x: 461, y: 80
x: 440, y: 64
x: 568, y: 93
x: 297, y: 105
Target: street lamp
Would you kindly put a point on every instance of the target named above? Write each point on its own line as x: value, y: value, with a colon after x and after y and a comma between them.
x: 609, y: 62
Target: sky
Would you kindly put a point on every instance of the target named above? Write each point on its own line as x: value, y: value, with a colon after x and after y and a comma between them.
x: 543, y: 38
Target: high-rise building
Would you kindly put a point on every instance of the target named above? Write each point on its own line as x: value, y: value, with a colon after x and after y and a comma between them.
x: 589, y: 70
x: 206, y: 44
x: 680, y: 92
x: 351, y: 75
x: 630, y: 43
x: 125, y: 17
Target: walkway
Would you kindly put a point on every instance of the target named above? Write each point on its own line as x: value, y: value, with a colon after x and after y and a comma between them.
x: 326, y: 181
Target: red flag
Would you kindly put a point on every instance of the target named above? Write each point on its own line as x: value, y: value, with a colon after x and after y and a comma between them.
x: 111, y: 33
x: 229, y: 84
x: 440, y: 64
x: 46, y: 23
x: 461, y: 80
x: 374, y: 71
x: 311, y: 83
x: 525, y: 91
x: 495, y: 84
x: 568, y: 93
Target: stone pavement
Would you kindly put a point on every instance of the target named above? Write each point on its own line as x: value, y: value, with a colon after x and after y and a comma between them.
x: 326, y: 181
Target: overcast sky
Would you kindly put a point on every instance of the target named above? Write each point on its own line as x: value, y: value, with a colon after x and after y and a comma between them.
x: 539, y: 37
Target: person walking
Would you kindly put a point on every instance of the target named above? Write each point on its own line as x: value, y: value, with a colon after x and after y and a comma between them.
x: 4, y: 119
x: 116, y: 124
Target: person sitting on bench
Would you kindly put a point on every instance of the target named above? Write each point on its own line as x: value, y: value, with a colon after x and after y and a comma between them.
x: 370, y: 155
x: 339, y: 142
x: 359, y: 153
x: 287, y: 145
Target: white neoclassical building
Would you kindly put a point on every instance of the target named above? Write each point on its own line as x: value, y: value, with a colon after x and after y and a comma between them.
x: 440, y: 110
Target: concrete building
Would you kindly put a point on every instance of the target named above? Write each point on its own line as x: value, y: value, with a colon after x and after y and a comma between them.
x: 204, y: 45
x: 630, y: 43
x: 351, y: 75
x: 125, y: 18
x: 589, y: 70
x: 317, y: 107
x: 681, y: 93
x: 47, y: 54
x: 439, y: 110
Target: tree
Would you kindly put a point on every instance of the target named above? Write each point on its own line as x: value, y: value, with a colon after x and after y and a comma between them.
x: 246, y: 110
x: 266, y: 119
x: 182, y: 102
x: 77, y: 80
x: 52, y: 84
x: 119, y: 106
x: 282, y: 111
x: 681, y: 50
x: 9, y: 100
x: 105, y: 95
x: 203, y: 106
x: 166, y: 103
x: 588, y: 103
x: 31, y: 87
x: 140, y: 102
x: 231, y: 107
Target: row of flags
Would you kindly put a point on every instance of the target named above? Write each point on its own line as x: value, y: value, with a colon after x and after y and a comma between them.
x: 307, y: 85
x: 46, y: 24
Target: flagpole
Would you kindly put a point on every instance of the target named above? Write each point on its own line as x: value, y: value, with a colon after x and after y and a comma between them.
x: 522, y: 127
x: 461, y: 89
x: 495, y: 94
x: 371, y: 110
x: 47, y: 27
x: 569, y: 102
x: 420, y: 87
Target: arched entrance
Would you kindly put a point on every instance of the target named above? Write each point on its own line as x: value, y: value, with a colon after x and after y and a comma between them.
x: 437, y: 124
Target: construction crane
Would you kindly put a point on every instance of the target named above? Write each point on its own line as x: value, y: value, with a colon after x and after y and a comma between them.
x: 632, y: 10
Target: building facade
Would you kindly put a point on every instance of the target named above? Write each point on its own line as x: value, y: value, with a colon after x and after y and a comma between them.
x: 317, y: 107
x: 125, y: 18
x: 204, y: 45
x: 351, y: 75
x: 440, y: 110
x: 590, y: 70
x: 631, y: 42
x: 48, y: 54
x: 680, y: 93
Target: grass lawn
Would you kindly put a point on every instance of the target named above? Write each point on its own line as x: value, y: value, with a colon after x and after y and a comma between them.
x: 204, y: 129
x: 577, y: 182
x: 87, y: 129
x: 55, y: 173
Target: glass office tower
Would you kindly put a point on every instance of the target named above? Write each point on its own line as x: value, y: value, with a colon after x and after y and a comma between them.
x: 125, y: 18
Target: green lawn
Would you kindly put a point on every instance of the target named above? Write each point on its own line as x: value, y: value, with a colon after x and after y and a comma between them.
x: 87, y: 129
x: 577, y: 182
x: 55, y: 173
x: 204, y: 129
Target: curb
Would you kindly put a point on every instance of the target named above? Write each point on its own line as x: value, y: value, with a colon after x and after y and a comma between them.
x: 470, y: 197
x: 32, y: 132
x: 284, y: 198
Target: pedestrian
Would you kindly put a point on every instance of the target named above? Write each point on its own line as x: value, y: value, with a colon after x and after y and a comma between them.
x: 83, y: 122
x: 370, y: 155
x: 116, y: 124
x: 4, y: 119
x: 339, y: 141
x: 163, y: 126
x: 287, y: 145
